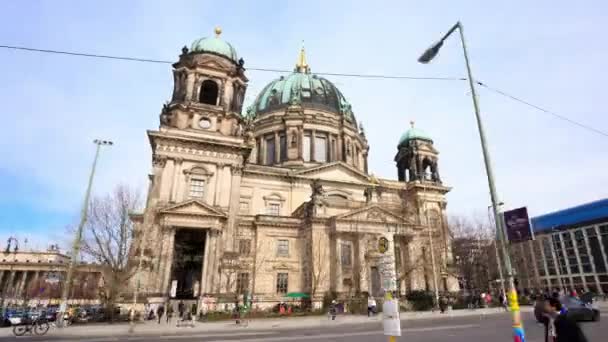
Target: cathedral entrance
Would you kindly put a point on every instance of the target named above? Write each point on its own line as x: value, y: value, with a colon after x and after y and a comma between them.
x: 187, y: 267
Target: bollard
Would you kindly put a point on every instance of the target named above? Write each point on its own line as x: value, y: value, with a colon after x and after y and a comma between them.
x: 390, y: 317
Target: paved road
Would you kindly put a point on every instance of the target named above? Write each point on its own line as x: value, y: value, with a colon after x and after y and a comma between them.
x: 455, y: 329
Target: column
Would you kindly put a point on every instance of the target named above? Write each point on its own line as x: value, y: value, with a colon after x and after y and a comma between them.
x: 203, y: 288
x: 21, y: 285
x: 312, y: 145
x: 233, y: 207
x: 363, y: 266
x: 277, y: 150
x: 218, y: 183
x: 190, y: 91
x: 168, y: 260
x: 566, y: 258
x: 175, y: 179
x: 1, y: 279
x: 166, y: 180
x: 212, y: 262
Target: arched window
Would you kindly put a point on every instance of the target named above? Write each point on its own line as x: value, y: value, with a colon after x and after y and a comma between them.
x: 208, y: 94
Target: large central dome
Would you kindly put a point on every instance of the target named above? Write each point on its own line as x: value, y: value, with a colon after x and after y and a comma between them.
x: 301, y: 88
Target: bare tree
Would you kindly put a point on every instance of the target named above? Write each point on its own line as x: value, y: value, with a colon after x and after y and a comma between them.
x: 473, y: 249
x: 107, y: 239
x: 320, y: 266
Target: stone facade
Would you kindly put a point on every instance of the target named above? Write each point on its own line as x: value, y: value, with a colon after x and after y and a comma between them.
x: 280, y: 199
x: 40, y: 275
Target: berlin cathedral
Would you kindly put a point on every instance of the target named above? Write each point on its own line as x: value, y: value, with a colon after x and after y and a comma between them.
x: 277, y: 198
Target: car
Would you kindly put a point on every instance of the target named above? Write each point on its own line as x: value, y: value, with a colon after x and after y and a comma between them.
x: 573, y: 307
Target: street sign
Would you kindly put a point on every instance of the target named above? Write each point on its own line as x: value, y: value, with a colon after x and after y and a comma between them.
x: 382, y: 245
x: 517, y: 225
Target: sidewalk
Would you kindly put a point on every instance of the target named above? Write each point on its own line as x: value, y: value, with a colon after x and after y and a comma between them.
x: 153, y: 328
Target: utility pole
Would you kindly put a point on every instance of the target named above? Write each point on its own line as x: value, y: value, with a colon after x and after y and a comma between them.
x: 78, y: 237
x: 498, y: 261
x: 426, y: 57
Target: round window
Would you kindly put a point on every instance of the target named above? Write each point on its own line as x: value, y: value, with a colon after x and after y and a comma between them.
x: 204, y: 123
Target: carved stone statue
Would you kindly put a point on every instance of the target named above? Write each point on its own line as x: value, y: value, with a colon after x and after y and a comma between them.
x: 368, y: 193
x: 317, y: 188
x: 361, y: 128
x: 184, y: 50
x: 241, y: 63
x: 295, y: 99
x: 294, y: 139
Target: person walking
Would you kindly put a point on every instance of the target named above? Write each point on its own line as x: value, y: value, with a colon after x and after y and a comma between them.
x: 160, y: 312
x: 180, y: 309
x: 443, y: 303
x: 503, y: 301
x: 371, y: 306
x: 169, y: 313
x: 558, y: 327
x: 333, y: 310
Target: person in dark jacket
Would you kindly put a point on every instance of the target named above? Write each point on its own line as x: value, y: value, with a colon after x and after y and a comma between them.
x: 558, y: 327
x: 160, y: 312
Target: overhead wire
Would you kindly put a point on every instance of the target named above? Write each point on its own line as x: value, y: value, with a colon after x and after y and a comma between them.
x: 368, y: 76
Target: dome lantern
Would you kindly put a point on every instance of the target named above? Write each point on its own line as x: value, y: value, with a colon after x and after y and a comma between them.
x: 216, y: 46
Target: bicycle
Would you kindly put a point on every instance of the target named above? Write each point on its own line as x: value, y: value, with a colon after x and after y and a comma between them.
x: 36, y: 326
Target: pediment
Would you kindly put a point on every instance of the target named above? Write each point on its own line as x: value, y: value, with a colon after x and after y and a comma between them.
x: 194, y: 207
x: 336, y: 171
x: 373, y: 213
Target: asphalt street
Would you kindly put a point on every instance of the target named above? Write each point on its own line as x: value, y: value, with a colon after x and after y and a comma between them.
x: 453, y: 329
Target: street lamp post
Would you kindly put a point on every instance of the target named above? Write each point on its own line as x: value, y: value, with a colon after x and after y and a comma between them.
x: 78, y: 237
x: 498, y: 261
x: 427, y: 56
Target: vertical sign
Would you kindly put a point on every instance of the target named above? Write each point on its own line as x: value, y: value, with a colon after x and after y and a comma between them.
x: 517, y: 225
x: 173, y: 288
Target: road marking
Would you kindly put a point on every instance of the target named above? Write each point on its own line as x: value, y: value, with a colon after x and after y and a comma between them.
x: 172, y: 337
x: 363, y: 333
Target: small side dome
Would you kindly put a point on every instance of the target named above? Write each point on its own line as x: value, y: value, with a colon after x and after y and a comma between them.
x: 412, y: 134
x: 215, y: 45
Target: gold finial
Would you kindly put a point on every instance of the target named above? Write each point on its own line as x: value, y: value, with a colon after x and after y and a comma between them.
x: 412, y: 123
x: 218, y: 31
x: 301, y: 65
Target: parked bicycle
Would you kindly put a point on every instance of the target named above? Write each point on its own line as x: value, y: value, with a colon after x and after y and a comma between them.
x: 36, y: 326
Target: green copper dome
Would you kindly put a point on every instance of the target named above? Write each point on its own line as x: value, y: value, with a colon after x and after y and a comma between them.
x: 215, y: 45
x: 414, y: 133
x: 301, y: 88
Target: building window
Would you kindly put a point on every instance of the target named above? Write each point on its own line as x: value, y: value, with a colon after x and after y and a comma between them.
x: 346, y: 255
x: 270, y: 150
x: 273, y: 209
x: 197, y: 188
x: 244, y: 247
x: 283, y: 147
x: 208, y: 94
x: 306, y: 148
x: 242, y: 282
x: 282, y: 282
x: 320, y: 149
x: 283, y: 248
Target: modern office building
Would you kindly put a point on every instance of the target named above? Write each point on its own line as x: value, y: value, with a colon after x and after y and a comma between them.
x: 570, y: 250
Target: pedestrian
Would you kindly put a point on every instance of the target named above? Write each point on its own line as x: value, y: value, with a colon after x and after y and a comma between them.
x: 443, y: 303
x: 160, y: 312
x: 558, y: 327
x: 169, y: 313
x: 371, y: 306
x: 503, y: 301
x: 333, y: 309
x: 181, y: 309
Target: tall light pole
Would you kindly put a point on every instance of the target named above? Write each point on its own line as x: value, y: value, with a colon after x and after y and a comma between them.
x: 427, y: 56
x: 78, y: 237
x: 498, y: 261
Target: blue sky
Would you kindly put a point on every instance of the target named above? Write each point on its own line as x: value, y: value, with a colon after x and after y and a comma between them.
x: 547, y: 52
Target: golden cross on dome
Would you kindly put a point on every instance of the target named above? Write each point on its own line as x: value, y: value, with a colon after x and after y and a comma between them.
x: 301, y: 65
x: 218, y: 31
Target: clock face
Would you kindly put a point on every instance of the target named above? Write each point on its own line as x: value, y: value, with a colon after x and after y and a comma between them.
x: 204, y: 123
